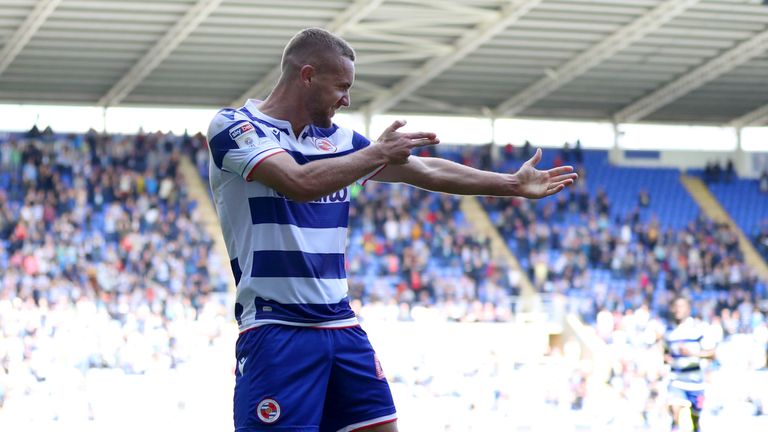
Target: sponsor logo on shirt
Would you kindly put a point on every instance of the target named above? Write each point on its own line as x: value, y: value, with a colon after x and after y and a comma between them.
x: 244, y: 135
x: 338, y: 196
x: 240, y: 130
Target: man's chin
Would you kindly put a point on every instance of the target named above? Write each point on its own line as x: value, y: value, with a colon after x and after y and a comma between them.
x: 324, y: 122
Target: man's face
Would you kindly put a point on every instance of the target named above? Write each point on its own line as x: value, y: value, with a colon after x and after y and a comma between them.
x: 681, y: 309
x: 330, y: 91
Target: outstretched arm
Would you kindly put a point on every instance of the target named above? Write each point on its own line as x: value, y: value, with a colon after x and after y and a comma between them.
x: 441, y: 175
x: 313, y: 180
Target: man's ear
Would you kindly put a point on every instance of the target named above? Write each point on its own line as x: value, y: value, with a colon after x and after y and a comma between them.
x: 307, y: 73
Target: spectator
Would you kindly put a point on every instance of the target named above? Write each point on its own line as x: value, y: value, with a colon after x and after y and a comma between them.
x: 730, y: 171
x: 509, y: 151
x: 761, y: 240
x: 578, y: 153
x: 565, y: 152
x: 717, y: 172
x: 644, y: 198
x: 527, y: 150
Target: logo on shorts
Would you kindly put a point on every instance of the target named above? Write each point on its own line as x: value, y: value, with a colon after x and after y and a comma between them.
x: 325, y: 145
x: 241, y: 365
x: 268, y: 410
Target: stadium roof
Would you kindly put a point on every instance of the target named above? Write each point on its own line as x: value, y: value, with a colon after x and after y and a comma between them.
x: 698, y: 61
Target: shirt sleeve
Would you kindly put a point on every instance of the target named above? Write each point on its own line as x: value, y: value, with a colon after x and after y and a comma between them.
x: 239, y: 146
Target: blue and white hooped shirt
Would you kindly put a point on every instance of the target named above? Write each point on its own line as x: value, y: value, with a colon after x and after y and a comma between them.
x: 287, y: 256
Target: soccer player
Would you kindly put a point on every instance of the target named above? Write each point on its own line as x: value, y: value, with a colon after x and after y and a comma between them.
x: 280, y: 171
x: 685, y: 346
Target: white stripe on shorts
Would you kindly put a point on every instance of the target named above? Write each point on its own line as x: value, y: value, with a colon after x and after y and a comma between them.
x: 371, y: 422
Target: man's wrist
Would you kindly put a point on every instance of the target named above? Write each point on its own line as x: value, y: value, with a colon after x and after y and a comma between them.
x: 512, y: 186
x: 374, y: 154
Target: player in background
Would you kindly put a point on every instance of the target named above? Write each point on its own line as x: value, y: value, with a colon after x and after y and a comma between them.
x: 685, y: 346
x: 279, y: 173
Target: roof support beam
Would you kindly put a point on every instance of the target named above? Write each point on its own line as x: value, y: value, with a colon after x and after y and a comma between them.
x: 701, y: 75
x: 340, y: 25
x: 159, y: 52
x: 26, y: 30
x: 465, y: 10
x: 513, y: 11
x: 393, y: 57
x: 425, y: 101
x: 758, y: 117
x: 593, y: 56
x: 403, y: 43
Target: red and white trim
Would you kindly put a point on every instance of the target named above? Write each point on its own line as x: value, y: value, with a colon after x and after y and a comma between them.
x: 374, y: 174
x: 262, y: 159
x: 369, y: 423
x: 345, y: 323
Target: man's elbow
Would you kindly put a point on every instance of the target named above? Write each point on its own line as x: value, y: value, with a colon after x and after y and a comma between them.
x: 300, y: 190
x: 299, y: 193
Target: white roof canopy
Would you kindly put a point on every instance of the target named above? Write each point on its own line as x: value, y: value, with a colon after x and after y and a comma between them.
x: 692, y: 61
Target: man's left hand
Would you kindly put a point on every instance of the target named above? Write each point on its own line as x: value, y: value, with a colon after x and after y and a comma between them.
x: 535, y: 183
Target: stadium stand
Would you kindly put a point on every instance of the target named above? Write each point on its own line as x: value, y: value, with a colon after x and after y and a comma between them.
x: 105, y: 274
x: 621, y: 263
x: 414, y: 247
x: 84, y: 222
x: 114, y: 313
x: 747, y: 205
x: 620, y: 236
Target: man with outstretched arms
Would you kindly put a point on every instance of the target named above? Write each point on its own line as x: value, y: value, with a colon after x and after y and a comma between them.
x: 280, y: 171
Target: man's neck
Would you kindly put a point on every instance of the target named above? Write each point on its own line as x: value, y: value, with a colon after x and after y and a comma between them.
x: 280, y: 105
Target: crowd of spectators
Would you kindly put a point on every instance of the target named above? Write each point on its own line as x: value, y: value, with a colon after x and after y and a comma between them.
x: 575, y: 244
x: 103, y: 258
x: 412, y: 248
x: 622, y: 264
x: 620, y: 274
x: 103, y: 261
x: 761, y: 240
x: 714, y: 172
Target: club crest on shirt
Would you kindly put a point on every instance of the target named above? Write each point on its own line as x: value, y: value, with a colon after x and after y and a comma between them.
x: 268, y: 410
x: 323, y: 144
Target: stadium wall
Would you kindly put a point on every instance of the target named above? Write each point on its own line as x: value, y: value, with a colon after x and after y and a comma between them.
x: 747, y: 164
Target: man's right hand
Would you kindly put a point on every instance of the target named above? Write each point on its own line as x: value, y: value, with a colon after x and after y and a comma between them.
x: 395, y: 147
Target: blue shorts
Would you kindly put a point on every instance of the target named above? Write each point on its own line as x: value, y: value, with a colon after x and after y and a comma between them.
x: 302, y: 379
x: 693, y: 398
